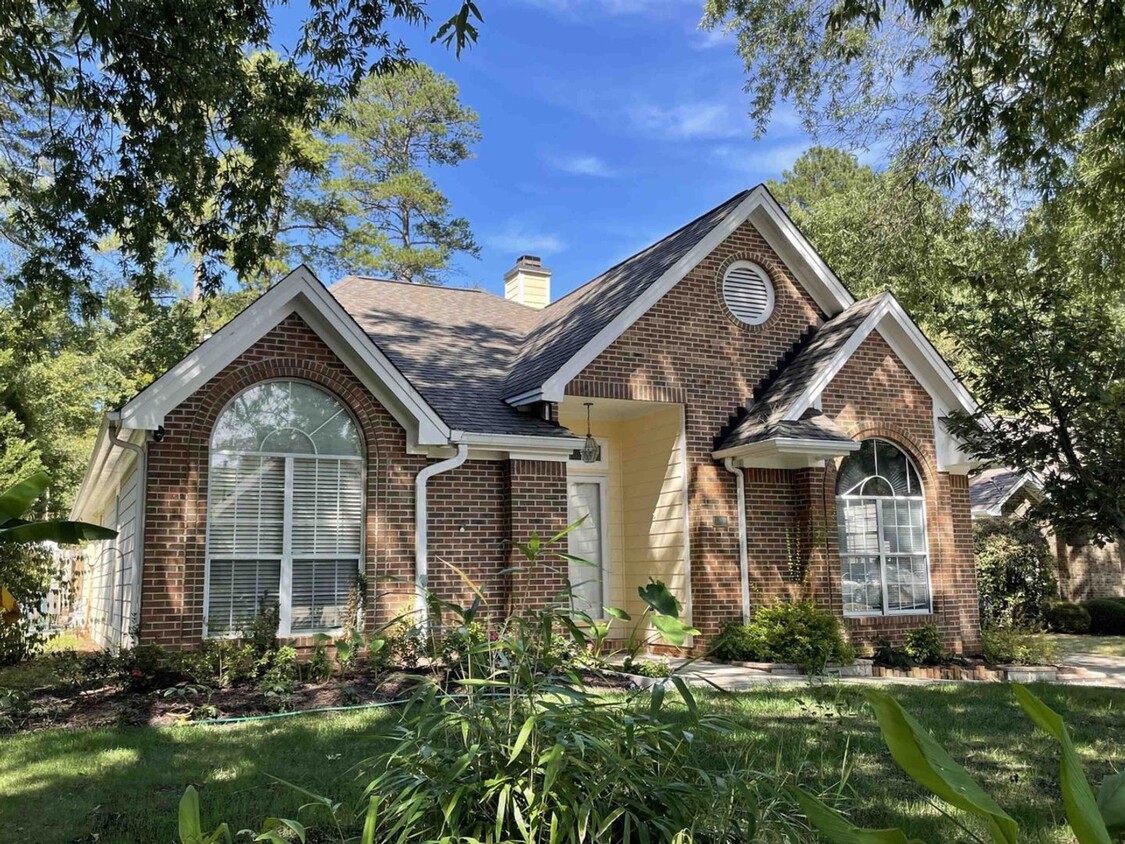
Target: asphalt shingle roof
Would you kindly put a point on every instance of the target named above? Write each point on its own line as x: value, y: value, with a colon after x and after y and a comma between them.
x: 989, y: 487
x: 454, y: 345
x: 764, y: 419
x: 566, y: 325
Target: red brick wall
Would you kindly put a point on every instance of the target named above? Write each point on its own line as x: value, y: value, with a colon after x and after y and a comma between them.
x: 176, y: 502
x: 687, y: 349
x: 538, y: 506
x: 875, y: 395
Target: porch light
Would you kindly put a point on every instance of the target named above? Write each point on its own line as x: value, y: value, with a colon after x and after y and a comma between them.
x: 591, y: 451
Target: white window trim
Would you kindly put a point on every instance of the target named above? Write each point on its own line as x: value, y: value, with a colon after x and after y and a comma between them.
x: 285, y: 584
x: 885, y: 612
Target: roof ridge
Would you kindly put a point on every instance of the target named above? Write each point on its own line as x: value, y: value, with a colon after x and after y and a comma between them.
x: 652, y: 245
x: 416, y: 284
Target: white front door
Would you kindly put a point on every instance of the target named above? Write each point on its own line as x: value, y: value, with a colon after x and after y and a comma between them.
x: 586, y: 499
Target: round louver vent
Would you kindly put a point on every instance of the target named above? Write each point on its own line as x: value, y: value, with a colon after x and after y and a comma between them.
x: 747, y: 293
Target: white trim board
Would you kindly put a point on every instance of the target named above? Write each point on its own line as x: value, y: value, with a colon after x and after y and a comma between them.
x: 302, y: 293
x: 767, y: 216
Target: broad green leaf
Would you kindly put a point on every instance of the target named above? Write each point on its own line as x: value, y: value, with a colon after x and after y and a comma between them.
x: 928, y: 764
x: 1078, y: 798
x: 191, y: 829
x: 656, y: 595
x: 17, y: 499
x: 618, y: 613
x: 62, y: 532
x: 1111, y: 802
x: 672, y: 630
x: 838, y: 829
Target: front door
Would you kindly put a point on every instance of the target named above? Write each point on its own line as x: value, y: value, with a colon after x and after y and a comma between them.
x: 587, y: 500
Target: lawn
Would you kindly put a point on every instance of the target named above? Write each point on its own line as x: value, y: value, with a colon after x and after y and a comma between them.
x: 1099, y: 645
x: 123, y: 784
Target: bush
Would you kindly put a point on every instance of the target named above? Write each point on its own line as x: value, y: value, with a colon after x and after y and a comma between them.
x: 923, y: 645
x: 1015, y: 573
x: 1019, y: 647
x: 25, y: 572
x: 1066, y: 617
x: 1107, y: 616
x: 786, y: 632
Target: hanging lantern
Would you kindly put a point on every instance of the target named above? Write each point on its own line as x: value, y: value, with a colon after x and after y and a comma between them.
x: 591, y: 451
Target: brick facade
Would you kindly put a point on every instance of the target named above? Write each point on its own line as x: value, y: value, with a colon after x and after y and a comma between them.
x: 687, y: 349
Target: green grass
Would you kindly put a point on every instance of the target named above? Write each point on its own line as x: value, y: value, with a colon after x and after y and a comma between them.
x: 123, y: 784
x: 1068, y: 644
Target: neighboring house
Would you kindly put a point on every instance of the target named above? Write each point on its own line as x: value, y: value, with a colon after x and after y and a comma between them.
x: 1085, y: 569
x: 740, y: 401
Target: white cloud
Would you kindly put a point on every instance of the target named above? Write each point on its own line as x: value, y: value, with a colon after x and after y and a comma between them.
x: 689, y: 120
x: 708, y: 39
x: 583, y: 165
x: 518, y: 239
x: 761, y: 160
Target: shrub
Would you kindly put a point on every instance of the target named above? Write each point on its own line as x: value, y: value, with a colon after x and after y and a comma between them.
x: 1067, y: 617
x: 892, y: 656
x: 277, y: 680
x: 1019, y: 647
x: 25, y: 572
x: 1107, y: 616
x: 786, y: 632
x: 923, y: 644
x: 1015, y: 573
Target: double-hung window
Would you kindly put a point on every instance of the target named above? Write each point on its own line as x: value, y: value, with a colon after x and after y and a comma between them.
x: 881, y: 515
x: 285, y: 518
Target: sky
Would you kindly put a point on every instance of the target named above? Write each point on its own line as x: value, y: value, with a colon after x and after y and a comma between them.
x: 606, y: 125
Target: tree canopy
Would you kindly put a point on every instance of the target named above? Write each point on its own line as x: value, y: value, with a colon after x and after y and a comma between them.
x: 153, y: 122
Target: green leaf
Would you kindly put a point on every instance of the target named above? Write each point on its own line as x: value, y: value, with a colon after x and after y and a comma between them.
x: 191, y: 829
x: 521, y: 739
x: 672, y: 630
x: 682, y: 687
x: 928, y: 764
x: 618, y: 613
x: 656, y: 595
x: 17, y: 499
x: 1078, y: 798
x: 1111, y: 802
x: 838, y: 829
x: 62, y: 532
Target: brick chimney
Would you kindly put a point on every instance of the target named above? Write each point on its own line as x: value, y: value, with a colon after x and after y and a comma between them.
x: 528, y: 282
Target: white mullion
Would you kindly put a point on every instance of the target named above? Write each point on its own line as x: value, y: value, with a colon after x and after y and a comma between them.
x: 285, y: 586
x: 886, y: 608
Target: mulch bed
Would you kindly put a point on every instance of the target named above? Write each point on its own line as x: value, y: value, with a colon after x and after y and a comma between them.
x: 119, y: 705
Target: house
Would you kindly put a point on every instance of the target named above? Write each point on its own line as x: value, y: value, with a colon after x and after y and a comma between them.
x: 755, y: 434
x: 1085, y: 569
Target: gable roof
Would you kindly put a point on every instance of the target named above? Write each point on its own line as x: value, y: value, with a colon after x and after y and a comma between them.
x: 302, y: 293
x: 990, y: 489
x: 455, y: 345
x: 575, y: 329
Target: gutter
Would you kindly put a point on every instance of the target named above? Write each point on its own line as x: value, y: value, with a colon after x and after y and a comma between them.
x: 421, y: 524
x: 113, y: 426
x: 743, y: 551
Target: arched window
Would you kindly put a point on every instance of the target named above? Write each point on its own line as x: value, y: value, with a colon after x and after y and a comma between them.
x: 285, y: 509
x: 882, y: 519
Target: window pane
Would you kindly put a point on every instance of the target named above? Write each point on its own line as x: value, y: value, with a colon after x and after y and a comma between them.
x: 585, y: 542
x: 863, y: 590
x: 237, y: 590
x: 903, y: 532
x: 247, y: 506
x: 327, y: 506
x: 286, y: 416
x: 893, y: 466
x: 859, y: 526
x: 321, y: 593
x: 907, y: 584
x: 856, y: 467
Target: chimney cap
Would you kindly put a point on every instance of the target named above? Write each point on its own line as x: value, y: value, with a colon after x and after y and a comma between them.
x: 529, y: 261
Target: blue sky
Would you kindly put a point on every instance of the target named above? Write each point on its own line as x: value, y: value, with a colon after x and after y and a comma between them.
x: 606, y: 124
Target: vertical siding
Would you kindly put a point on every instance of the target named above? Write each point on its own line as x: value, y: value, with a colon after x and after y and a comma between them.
x: 113, y: 598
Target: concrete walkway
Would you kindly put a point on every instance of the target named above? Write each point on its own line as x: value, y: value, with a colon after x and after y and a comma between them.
x: 1077, y: 669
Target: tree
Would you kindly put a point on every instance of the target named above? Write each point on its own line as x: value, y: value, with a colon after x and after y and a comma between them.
x: 879, y: 231
x: 1045, y: 334
x: 119, y: 118
x: 955, y: 87
x: 396, y: 221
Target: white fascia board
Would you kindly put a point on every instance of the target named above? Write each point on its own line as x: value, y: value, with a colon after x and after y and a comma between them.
x: 106, y: 461
x: 514, y: 442
x: 300, y: 292
x: 910, y: 345
x: 787, y: 447
x: 799, y: 256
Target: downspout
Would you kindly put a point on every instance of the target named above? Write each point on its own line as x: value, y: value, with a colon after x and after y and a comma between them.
x: 743, y: 550
x: 114, y: 425
x: 421, y: 525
